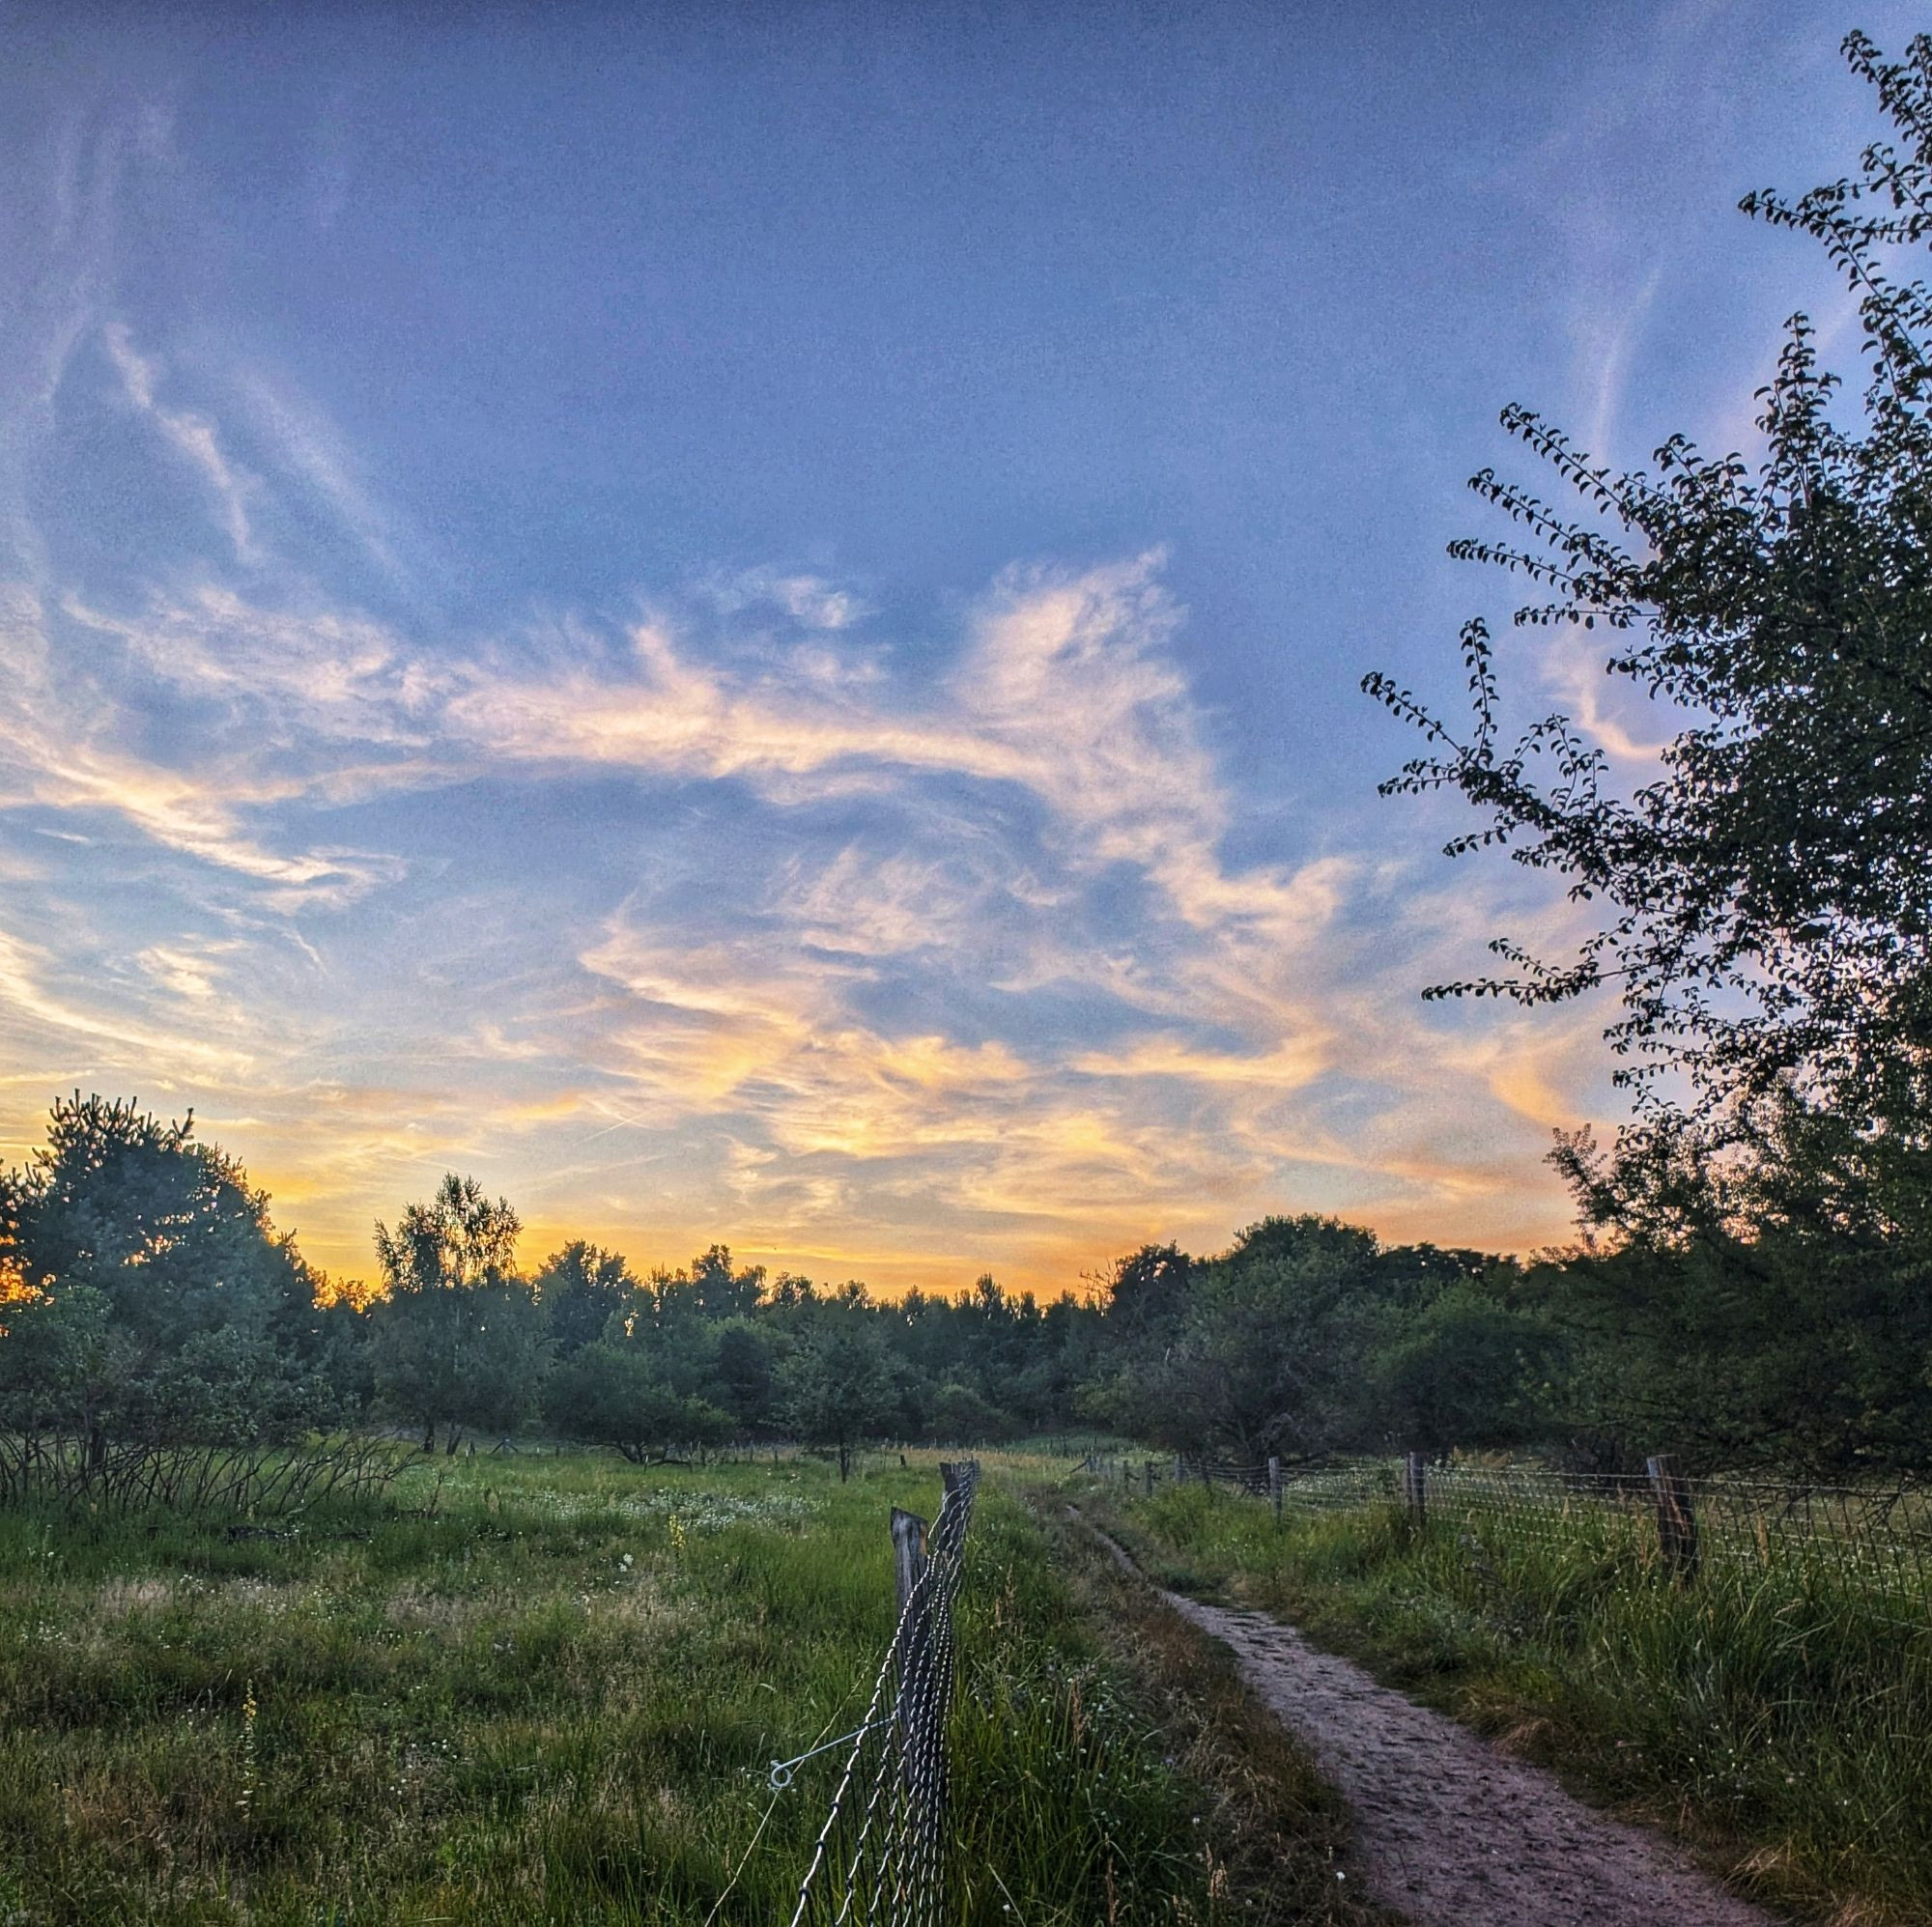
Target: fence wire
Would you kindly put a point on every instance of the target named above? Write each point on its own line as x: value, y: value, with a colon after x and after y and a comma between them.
x: 1876, y: 1539
x: 880, y: 1856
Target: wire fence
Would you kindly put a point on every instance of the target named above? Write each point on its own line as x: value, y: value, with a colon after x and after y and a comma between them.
x: 1877, y: 1539
x: 880, y: 1857
x: 245, y: 1482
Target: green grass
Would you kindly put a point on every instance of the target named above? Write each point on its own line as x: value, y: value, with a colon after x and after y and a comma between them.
x: 554, y: 1700
x: 1279, y: 1837
x: 1778, y: 1721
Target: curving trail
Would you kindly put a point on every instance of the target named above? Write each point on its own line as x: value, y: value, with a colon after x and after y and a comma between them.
x: 1451, y: 1832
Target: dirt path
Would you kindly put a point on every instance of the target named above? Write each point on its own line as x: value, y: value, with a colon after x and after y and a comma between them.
x: 1451, y: 1832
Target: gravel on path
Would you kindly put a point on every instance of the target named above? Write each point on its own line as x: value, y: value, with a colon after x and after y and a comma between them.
x: 1449, y: 1831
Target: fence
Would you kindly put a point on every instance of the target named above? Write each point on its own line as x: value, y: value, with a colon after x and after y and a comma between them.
x: 880, y: 1857
x: 1143, y: 1474
x: 1877, y: 1539
x: 119, y: 1476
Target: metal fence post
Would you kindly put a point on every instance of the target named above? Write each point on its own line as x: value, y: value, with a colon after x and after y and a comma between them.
x: 1676, y: 1521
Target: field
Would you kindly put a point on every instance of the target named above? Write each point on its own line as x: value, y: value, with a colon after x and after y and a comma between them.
x: 548, y: 1690
x: 1774, y: 1718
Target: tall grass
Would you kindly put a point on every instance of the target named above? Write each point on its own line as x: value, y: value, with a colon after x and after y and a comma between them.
x: 548, y: 1691
x: 1777, y: 1717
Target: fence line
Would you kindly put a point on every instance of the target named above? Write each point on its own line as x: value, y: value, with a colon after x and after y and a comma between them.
x: 1875, y: 1537
x: 880, y: 1856
x: 132, y: 1475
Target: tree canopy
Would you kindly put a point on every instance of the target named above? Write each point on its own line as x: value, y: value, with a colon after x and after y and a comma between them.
x: 1765, y: 896
x: 152, y: 1303
x: 460, y: 1335
x: 156, y: 1298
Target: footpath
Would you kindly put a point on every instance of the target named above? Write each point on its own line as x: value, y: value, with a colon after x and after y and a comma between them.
x: 1449, y: 1831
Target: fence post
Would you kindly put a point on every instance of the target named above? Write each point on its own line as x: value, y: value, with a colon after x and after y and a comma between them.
x: 1676, y: 1521
x: 908, y: 1569
x: 1179, y: 1475
x: 1414, y: 1489
x: 1149, y: 1478
x: 1274, y: 1486
x: 908, y: 1554
x: 881, y: 1855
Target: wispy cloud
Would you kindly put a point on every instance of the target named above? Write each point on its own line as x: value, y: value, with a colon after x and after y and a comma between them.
x: 1028, y: 1008
x: 934, y: 967
x: 314, y: 458
x: 35, y: 1005
x: 75, y: 751
x: 192, y: 435
x: 814, y: 602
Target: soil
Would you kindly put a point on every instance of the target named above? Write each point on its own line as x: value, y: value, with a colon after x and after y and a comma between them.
x: 1450, y: 1831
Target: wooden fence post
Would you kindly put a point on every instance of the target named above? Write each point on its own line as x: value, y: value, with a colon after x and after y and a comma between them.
x: 911, y: 1642
x: 1274, y: 1486
x: 1179, y: 1472
x: 1414, y: 1489
x: 908, y: 1553
x: 1676, y: 1520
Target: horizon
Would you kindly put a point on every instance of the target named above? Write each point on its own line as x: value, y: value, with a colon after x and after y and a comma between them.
x: 751, y: 632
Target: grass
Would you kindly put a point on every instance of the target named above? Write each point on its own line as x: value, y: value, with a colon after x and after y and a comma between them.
x: 1280, y: 1834
x: 549, y: 1692
x: 1777, y: 1721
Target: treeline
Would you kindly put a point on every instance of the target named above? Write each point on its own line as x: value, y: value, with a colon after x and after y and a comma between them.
x: 149, y: 1300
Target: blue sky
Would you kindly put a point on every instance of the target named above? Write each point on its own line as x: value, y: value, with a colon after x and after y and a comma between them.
x: 746, y: 621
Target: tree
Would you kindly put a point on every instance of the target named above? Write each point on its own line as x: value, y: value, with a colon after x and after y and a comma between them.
x: 152, y: 1297
x: 839, y: 1386
x: 610, y: 1392
x: 582, y: 1288
x: 743, y: 1375
x: 960, y: 1416
x: 1766, y: 901
x: 1147, y: 1293
x: 460, y: 1337
x: 719, y: 1292
x: 1469, y: 1371
x: 1270, y: 1356
x: 58, y: 1366
x: 1797, y: 1353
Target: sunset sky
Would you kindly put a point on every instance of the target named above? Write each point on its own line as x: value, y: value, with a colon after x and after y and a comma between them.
x: 744, y: 620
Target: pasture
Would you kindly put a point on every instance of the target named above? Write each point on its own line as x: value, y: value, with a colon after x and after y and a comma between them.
x: 548, y: 1690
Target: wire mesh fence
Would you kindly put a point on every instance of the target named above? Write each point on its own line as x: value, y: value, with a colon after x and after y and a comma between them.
x: 880, y: 1857
x: 1877, y: 1539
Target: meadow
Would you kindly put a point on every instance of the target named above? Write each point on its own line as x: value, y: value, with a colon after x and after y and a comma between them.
x: 549, y: 1690
x: 1774, y: 1719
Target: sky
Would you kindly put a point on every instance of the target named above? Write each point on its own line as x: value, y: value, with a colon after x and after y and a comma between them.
x: 746, y: 621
